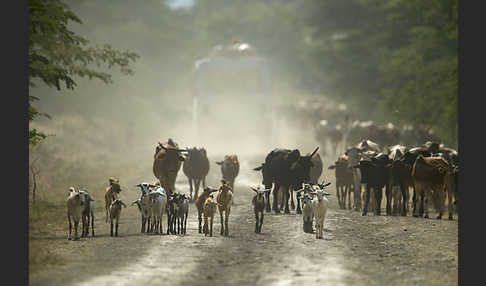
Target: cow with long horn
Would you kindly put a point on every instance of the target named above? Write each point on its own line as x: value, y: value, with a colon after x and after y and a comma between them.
x: 167, y: 163
x: 285, y: 170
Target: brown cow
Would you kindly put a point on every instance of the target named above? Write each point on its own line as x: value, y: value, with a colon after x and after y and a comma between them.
x: 344, y: 181
x: 196, y: 168
x: 230, y: 167
x: 167, y: 163
x: 429, y: 175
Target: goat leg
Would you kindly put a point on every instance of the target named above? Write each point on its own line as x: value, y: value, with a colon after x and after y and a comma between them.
x: 299, y: 210
x: 211, y: 227
x: 199, y: 219
x: 261, y: 222
x: 222, y: 224
x: 70, y: 226
x: 256, y: 222
x: 226, y: 230
x: 92, y: 225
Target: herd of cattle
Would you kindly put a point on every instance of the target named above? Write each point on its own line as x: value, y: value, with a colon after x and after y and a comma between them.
x: 362, y: 172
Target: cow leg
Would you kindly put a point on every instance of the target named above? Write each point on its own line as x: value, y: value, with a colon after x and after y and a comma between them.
x: 196, y: 191
x: 366, y: 201
x: 378, y: 194
x: 421, y: 203
x: 190, y: 189
x: 267, y: 202
x: 428, y: 197
x: 144, y: 220
x: 291, y: 194
x: 276, y: 190
x: 442, y: 194
x: 204, y: 182
x: 450, y: 201
x: 404, y: 199
x: 388, y: 193
x: 286, y: 199
x: 111, y: 228
x: 169, y: 222
x: 338, y: 194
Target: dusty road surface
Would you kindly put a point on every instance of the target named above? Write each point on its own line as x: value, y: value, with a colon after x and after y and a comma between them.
x: 355, y: 250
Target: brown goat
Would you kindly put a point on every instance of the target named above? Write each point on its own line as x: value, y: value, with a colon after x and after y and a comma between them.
x: 224, y: 199
x: 200, y: 201
x: 258, y: 202
x: 209, y: 209
x: 111, y: 194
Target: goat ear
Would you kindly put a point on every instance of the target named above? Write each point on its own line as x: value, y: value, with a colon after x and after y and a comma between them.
x: 332, y: 167
x: 258, y: 168
x: 256, y: 191
x: 219, y: 162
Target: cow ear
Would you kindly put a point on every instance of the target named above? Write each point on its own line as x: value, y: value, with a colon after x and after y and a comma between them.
x: 219, y: 162
x: 182, y: 159
x: 332, y: 167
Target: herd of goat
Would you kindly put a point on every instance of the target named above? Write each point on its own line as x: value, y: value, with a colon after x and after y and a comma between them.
x: 362, y: 172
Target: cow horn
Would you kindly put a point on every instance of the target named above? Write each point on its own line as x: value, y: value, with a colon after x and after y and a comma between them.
x: 314, y: 151
x: 254, y: 189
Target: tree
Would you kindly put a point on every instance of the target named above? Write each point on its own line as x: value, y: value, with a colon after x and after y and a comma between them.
x: 57, y: 55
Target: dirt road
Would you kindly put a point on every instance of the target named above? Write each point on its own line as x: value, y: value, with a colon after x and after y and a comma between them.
x: 356, y: 250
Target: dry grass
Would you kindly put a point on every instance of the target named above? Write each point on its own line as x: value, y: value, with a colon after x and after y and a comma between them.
x: 46, y: 219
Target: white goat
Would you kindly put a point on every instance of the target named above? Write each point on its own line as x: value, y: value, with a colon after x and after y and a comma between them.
x: 158, y: 200
x: 144, y: 205
x: 87, y: 213
x: 319, y: 208
x: 115, y: 211
x: 75, y: 206
x: 307, y: 211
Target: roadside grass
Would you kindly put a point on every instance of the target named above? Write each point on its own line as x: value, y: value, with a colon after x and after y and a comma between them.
x: 46, y: 218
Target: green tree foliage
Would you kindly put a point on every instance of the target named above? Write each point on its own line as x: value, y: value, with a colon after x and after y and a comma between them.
x: 57, y: 55
x: 399, y: 57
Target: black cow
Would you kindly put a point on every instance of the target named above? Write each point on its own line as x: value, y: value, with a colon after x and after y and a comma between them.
x: 287, y: 169
x: 375, y: 174
x: 196, y: 168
